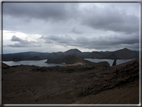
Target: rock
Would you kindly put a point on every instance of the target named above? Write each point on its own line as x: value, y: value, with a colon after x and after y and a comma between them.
x: 114, y: 62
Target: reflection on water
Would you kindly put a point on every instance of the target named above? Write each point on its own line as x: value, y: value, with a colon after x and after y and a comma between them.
x: 110, y: 61
x: 42, y: 62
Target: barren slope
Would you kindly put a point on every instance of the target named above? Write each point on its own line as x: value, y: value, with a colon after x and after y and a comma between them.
x: 67, y: 85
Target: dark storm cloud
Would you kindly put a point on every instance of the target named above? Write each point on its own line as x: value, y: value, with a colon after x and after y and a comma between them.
x: 108, y: 18
x: 22, y: 43
x: 111, y: 19
x: 46, y: 11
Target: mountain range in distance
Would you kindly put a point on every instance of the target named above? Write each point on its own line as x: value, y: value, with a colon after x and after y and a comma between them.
x: 118, y: 54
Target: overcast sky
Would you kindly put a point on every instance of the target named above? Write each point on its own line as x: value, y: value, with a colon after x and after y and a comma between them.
x: 52, y: 27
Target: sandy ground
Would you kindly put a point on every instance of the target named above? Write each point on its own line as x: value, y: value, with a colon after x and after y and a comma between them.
x: 71, y: 85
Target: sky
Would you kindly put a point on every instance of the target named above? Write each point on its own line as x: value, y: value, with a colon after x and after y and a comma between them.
x: 53, y: 27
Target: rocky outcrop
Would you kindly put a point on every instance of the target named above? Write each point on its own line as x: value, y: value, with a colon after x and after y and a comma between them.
x: 114, y: 62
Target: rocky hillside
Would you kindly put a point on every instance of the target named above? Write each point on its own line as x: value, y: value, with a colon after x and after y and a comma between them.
x: 71, y: 85
x: 123, y: 54
x: 119, y: 54
x: 120, y: 75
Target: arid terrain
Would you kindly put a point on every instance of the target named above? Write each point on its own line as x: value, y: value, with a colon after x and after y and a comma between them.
x: 71, y: 85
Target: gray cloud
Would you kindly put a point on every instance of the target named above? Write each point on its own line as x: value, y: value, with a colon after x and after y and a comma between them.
x: 23, y: 43
x: 14, y: 38
x: 54, y: 39
x: 98, y: 43
x: 74, y: 30
x: 107, y: 43
x: 60, y: 22
x: 41, y: 16
x: 111, y: 19
x: 46, y: 11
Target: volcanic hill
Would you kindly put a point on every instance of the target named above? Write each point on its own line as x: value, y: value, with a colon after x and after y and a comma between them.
x: 73, y: 60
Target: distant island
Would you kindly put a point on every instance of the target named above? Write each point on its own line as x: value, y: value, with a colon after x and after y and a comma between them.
x: 118, y: 54
x: 75, y: 60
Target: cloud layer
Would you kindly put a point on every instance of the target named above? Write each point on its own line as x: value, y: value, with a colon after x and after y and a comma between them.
x: 105, y: 26
x: 99, y: 43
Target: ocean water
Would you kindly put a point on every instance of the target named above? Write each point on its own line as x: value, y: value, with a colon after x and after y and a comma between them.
x: 42, y: 63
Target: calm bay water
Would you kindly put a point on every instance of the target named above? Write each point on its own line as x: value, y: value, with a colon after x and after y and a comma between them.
x: 42, y: 62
